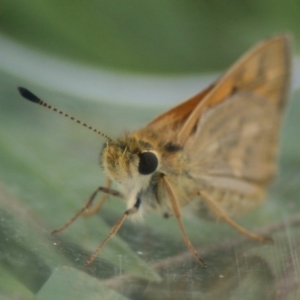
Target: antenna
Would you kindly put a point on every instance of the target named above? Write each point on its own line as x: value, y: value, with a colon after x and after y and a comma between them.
x: 33, y: 98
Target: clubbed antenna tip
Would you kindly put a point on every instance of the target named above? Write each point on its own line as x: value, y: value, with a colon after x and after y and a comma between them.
x: 28, y: 95
x: 33, y: 98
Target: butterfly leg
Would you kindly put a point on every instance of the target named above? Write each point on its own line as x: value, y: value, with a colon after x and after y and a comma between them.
x: 177, y: 214
x: 88, y: 204
x: 222, y: 215
x: 91, y: 210
x: 115, y: 229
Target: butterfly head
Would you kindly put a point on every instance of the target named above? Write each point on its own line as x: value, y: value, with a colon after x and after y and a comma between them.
x: 130, y: 162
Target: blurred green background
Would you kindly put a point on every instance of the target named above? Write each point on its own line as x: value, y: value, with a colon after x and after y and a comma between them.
x: 148, y: 36
x: 115, y: 65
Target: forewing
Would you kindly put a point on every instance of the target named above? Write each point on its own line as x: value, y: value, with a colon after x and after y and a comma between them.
x: 264, y: 71
x: 232, y: 149
x: 177, y: 116
x: 237, y: 138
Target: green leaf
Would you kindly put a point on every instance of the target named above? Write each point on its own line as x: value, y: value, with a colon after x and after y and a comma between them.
x: 11, y: 287
x: 69, y: 283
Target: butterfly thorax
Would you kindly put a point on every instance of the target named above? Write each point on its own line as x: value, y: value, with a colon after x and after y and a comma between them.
x: 136, y: 163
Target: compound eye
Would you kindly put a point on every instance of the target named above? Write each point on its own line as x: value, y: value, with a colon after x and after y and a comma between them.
x: 148, y: 163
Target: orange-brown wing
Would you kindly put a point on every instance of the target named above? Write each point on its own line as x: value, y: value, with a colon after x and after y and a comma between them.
x: 177, y: 116
x: 232, y: 149
x: 264, y: 71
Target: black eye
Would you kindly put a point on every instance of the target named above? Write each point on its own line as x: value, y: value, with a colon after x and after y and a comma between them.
x: 148, y: 163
